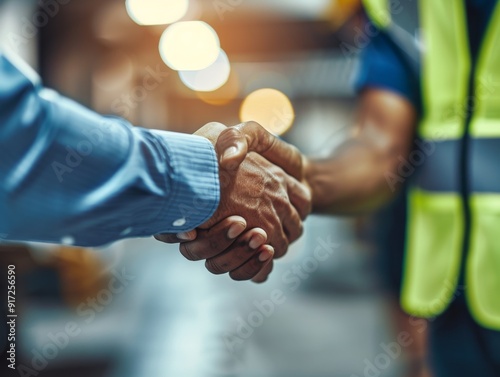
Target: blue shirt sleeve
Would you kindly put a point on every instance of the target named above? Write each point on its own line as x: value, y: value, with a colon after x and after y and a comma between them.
x: 383, y: 66
x: 69, y: 175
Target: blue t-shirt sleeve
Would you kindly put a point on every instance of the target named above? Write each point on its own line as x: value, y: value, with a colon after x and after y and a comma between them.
x: 383, y: 66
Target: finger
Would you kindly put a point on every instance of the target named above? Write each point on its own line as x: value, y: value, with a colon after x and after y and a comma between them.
x: 279, y: 241
x: 235, y: 142
x: 232, y: 148
x: 177, y: 238
x: 300, y: 196
x: 245, y: 247
x: 253, y: 266
x: 215, y: 240
x: 264, y: 273
x: 292, y: 225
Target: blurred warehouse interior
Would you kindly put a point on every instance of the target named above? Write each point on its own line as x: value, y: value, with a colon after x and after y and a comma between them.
x: 282, y: 61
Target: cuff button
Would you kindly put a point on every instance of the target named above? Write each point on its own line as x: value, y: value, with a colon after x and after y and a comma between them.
x: 180, y: 222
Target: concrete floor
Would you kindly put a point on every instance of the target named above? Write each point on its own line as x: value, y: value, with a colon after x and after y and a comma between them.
x: 175, y: 319
x: 195, y: 324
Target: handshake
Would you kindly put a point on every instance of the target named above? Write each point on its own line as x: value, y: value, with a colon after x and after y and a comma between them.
x: 264, y: 200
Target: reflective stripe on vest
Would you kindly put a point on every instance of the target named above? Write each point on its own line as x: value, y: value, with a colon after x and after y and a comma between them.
x: 440, y: 172
x: 436, y: 221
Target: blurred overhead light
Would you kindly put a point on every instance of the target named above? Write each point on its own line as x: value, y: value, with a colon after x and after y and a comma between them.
x: 156, y: 12
x: 270, y: 108
x: 224, y: 95
x: 210, y: 78
x: 189, y: 46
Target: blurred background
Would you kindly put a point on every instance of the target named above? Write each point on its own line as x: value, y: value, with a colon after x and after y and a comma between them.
x: 137, y: 308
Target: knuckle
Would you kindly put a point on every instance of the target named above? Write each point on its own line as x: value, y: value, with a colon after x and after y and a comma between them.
x: 305, y: 210
x: 301, y: 229
x: 304, y: 207
x: 214, y: 244
x: 283, y: 210
x: 246, y: 272
x: 242, y: 252
x: 166, y: 238
x: 281, y: 248
x: 298, y: 231
x: 264, y: 273
x: 232, y: 133
x: 241, y: 243
x: 187, y: 251
x: 261, y: 278
x: 253, y: 126
x: 273, y: 186
x: 215, y: 267
x: 283, y: 199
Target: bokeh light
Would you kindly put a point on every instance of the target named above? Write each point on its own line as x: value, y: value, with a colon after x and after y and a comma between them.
x: 157, y: 12
x: 210, y: 78
x: 269, y: 107
x: 225, y: 94
x: 189, y: 46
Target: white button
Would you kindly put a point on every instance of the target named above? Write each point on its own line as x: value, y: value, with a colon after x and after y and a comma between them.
x: 67, y: 240
x: 126, y: 231
x: 180, y: 222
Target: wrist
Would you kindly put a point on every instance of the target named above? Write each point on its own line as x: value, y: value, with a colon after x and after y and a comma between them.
x: 211, y: 132
x: 313, y: 179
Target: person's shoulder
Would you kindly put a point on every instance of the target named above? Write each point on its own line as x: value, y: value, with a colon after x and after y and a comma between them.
x: 404, y: 32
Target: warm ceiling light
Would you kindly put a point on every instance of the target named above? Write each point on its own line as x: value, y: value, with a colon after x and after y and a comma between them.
x: 210, y: 78
x: 156, y: 12
x: 224, y: 95
x: 189, y: 46
x: 270, y: 108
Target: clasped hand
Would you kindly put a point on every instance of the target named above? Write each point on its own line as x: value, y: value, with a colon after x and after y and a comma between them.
x: 262, y: 189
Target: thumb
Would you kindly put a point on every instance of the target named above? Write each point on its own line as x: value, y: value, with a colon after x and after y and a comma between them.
x: 231, y: 147
x: 235, y: 142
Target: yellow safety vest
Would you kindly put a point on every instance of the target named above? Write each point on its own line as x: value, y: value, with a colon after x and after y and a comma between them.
x: 454, y: 203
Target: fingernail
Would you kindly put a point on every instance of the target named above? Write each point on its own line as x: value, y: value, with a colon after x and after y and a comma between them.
x: 256, y: 241
x: 267, y: 254
x: 230, y: 152
x: 235, y: 230
x: 187, y: 236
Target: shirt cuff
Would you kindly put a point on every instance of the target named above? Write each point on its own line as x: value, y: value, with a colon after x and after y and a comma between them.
x: 194, y: 175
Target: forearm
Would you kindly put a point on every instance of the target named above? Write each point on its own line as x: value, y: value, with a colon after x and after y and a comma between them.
x: 356, y: 177
x: 352, y: 180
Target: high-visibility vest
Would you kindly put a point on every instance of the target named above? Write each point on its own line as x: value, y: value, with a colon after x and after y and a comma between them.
x: 453, y: 222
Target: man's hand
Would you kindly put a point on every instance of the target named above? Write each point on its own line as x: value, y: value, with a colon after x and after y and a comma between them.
x: 234, y: 143
x: 228, y: 247
x: 262, y: 193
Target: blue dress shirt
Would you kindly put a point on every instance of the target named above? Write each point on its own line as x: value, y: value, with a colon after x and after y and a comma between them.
x: 69, y: 175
